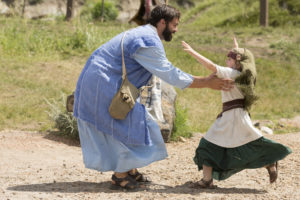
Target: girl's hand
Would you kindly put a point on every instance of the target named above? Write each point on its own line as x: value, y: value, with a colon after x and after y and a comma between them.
x: 186, y: 46
x: 236, y: 45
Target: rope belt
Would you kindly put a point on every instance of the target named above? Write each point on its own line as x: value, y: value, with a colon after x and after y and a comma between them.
x: 237, y: 103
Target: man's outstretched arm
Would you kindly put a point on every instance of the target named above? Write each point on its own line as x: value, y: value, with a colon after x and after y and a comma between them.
x: 212, y: 82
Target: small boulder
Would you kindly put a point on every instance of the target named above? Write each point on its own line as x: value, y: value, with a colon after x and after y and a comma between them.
x: 266, y: 130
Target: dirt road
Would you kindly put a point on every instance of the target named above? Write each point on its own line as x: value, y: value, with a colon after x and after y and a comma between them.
x: 39, y: 166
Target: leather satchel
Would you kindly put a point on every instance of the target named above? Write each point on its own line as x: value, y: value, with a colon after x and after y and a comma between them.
x: 124, y: 100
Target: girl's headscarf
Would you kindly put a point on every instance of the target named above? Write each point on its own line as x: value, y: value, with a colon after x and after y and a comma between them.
x: 247, y: 79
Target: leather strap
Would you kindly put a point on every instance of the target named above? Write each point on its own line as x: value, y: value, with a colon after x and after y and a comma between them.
x: 123, y: 60
x: 124, y: 68
x: 229, y: 105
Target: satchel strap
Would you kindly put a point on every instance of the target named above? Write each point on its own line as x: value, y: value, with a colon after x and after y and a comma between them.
x: 124, y: 68
x: 123, y: 60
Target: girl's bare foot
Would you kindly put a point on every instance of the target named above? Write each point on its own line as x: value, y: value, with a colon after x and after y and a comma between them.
x: 204, y: 184
x: 273, y: 171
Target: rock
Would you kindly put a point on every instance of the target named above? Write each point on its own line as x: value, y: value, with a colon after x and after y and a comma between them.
x: 159, y: 101
x: 256, y: 124
x: 168, y: 107
x: 261, y: 123
x: 46, y: 8
x: 127, y: 9
x: 280, y: 125
x: 182, y: 139
x: 4, y: 9
x: 266, y: 130
x: 294, y: 122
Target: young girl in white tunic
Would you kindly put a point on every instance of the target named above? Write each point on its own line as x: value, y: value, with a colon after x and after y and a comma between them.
x: 233, y: 143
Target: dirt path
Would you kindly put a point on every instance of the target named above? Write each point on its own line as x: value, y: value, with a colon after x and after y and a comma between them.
x: 36, y: 166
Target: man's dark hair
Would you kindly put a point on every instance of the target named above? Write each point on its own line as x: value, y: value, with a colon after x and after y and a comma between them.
x: 163, y: 12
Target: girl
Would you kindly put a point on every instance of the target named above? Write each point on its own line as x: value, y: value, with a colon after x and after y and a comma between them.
x: 233, y: 143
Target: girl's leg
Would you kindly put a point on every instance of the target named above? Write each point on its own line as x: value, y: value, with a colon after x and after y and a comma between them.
x: 206, y: 181
x: 273, y: 171
x: 207, y: 173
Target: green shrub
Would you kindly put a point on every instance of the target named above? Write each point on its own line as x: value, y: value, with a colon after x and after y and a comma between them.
x: 293, y: 6
x: 110, y: 11
x: 64, y: 121
x: 33, y: 2
x: 78, y: 40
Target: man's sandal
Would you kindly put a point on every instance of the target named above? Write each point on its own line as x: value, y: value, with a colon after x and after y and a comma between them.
x: 273, y: 174
x: 140, y: 177
x: 204, y: 184
x: 129, y: 183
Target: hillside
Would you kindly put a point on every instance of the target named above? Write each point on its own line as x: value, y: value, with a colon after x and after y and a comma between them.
x: 42, y: 59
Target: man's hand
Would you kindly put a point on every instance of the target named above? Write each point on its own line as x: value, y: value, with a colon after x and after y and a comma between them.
x: 216, y: 83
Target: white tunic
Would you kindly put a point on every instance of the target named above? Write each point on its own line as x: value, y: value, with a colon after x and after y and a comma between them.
x: 234, y: 128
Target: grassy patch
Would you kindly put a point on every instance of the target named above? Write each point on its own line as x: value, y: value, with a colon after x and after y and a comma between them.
x: 42, y: 59
x: 181, y: 127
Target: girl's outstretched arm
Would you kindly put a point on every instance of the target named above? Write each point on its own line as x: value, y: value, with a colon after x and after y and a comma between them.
x: 235, y: 43
x: 204, y: 61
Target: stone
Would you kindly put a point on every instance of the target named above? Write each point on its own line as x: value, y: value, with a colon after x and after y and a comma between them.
x: 47, y: 8
x: 256, y: 124
x: 293, y: 122
x: 127, y: 9
x: 168, y: 107
x: 4, y: 9
x: 266, y: 130
x: 182, y: 139
x: 159, y: 101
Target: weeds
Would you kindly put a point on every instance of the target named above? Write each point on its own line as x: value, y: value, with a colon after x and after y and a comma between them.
x: 64, y: 121
x: 181, y: 127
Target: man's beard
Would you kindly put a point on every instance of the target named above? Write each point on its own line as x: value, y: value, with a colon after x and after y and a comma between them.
x: 167, y: 33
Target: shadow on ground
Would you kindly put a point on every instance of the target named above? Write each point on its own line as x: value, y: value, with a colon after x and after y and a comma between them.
x: 58, y: 137
x: 81, y: 186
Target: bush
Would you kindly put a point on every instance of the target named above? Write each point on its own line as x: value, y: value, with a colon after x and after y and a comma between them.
x: 293, y: 6
x: 78, y: 40
x: 33, y: 2
x: 110, y: 11
x: 64, y: 121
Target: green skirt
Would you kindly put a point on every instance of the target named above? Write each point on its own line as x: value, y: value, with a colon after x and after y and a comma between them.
x: 228, y: 161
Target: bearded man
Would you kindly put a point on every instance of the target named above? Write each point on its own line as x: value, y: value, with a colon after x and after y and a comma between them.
x: 122, y: 146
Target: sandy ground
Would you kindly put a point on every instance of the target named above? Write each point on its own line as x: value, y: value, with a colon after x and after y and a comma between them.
x: 39, y: 166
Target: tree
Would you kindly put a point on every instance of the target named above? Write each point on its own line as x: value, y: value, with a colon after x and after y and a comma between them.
x: 70, y: 9
x: 102, y: 11
x: 264, y: 13
x: 23, y: 8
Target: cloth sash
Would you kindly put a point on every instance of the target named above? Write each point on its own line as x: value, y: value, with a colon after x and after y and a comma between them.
x: 229, y: 105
